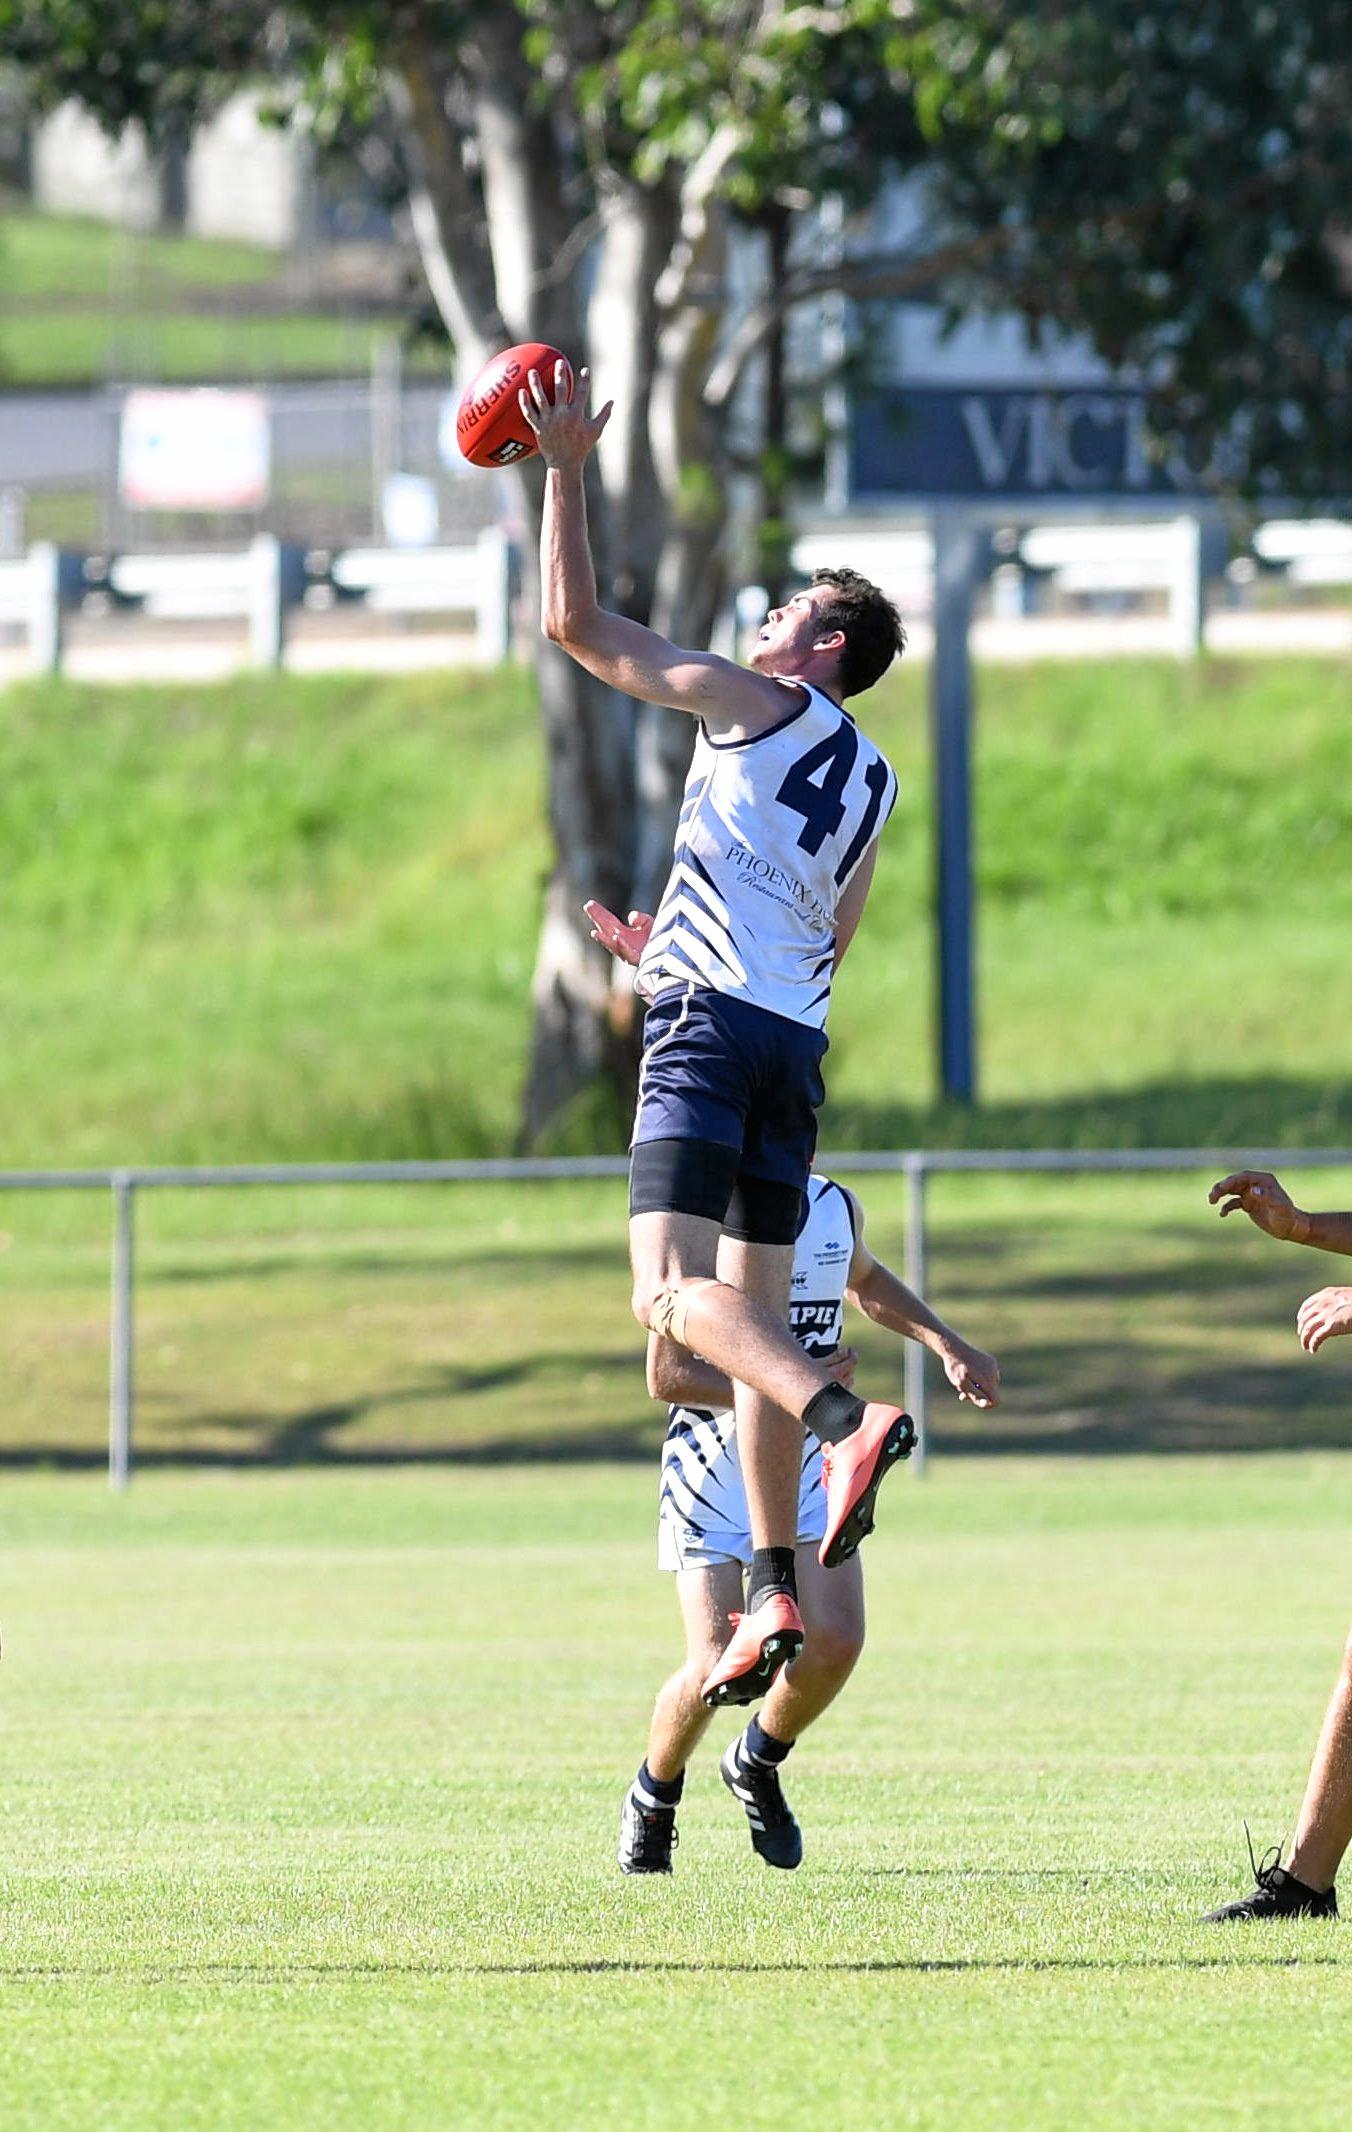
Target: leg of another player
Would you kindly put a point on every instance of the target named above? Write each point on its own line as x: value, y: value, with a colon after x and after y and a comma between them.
x: 1324, y: 1830
x: 832, y: 1602
x: 708, y: 1599
x: 737, y: 1333
x: 833, y: 1616
x: 769, y: 1439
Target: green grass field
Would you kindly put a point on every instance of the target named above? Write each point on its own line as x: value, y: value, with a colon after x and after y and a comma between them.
x: 312, y: 1783
x: 312, y: 1773
x: 451, y: 1325
x: 296, y: 918
x: 82, y: 301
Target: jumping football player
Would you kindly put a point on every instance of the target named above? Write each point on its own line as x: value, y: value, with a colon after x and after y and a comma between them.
x: 1304, y: 1886
x: 774, y: 856
x: 704, y: 1537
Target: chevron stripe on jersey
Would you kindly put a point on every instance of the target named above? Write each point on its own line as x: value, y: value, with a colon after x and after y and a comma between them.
x: 692, y: 934
x: 702, y: 1511
x: 771, y: 832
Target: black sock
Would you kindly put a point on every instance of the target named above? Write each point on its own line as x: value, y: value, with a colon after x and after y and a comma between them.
x: 758, y: 1745
x: 665, y: 1790
x: 833, y: 1413
x: 771, y: 1571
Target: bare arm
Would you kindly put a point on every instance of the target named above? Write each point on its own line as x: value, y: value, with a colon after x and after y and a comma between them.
x: 1271, y: 1208
x: 850, y: 908
x: 1327, y: 1313
x: 637, y: 661
x: 885, y: 1298
x: 679, y: 1378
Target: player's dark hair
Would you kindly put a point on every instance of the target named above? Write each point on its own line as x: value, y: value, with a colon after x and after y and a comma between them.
x: 874, y: 632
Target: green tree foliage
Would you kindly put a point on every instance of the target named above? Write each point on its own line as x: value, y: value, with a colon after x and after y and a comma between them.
x: 1169, y: 179
x: 1173, y: 180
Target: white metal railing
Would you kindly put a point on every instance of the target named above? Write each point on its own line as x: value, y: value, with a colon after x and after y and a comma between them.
x: 916, y: 1165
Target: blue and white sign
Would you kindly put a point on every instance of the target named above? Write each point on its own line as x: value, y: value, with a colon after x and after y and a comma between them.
x: 994, y: 441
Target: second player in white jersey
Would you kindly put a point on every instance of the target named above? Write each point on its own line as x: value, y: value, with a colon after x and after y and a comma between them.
x: 771, y: 831
x: 702, y: 1516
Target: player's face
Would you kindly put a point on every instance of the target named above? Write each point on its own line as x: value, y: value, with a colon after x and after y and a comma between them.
x: 788, y: 634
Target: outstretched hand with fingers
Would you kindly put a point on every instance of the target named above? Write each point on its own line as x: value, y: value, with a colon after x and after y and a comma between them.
x: 1323, y: 1316
x: 1267, y: 1203
x: 564, y: 430
x: 625, y: 942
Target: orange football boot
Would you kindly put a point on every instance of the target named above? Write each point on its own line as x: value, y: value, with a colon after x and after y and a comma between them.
x: 853, y: 1471
x: 762, y: 1642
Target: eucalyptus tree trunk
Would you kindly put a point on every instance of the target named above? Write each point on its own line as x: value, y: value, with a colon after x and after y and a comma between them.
x: 499, y: 252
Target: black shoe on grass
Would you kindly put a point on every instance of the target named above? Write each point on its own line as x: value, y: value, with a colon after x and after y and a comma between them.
x: 1276, y: 1893
x: 775, y: 1835
x: 647, y: 1834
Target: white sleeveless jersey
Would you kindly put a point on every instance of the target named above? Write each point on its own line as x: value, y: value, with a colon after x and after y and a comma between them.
x: 703, y: 1498
x: 771, y: 831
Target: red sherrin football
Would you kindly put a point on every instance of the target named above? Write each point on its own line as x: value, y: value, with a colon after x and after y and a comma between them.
x: 489, y: 425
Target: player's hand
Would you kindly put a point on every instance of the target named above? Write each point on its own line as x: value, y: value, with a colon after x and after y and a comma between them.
x: 1267, y: 1203
x: 564, y: 431
x: 1323, y: 1316
x: 842, y: 1366
x: 625, y: 942
x: 973, y: 1374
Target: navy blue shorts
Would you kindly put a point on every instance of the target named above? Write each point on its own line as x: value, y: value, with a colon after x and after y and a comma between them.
x: 740, y: 1087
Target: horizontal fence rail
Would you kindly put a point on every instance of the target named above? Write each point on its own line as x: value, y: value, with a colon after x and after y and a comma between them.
x: 916, y: 1165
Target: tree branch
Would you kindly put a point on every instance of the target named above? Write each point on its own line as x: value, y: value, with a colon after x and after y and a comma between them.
x: 444, y: 204
x: 872, y: 275
x: 699, y: 189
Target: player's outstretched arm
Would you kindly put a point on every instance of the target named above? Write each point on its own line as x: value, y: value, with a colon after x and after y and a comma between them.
x: 1328, y: 1313
x: 881, y: 1295
x: 678, y: 1378
x: 637, y: 661
x: 1271, y: 1208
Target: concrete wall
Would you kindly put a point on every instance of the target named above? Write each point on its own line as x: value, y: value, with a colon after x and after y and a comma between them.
x: 247, y: 180
x: 78, y: 170
x: 242, y: 179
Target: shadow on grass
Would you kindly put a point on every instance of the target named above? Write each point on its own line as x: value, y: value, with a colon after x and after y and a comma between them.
x: 1097, y: 1398
x: 1160, y: 1342
x: 485, y: 1264
x: 917, y: 1965
x: 1212, y: 1111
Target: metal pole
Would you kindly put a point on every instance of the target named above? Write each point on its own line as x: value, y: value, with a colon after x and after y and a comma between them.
x: 122, y: 1340
x: 961, y: 548
x: 915, y: 1281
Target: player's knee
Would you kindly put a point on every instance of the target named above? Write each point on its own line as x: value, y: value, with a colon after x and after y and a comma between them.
x: 700, y: 1664
x: 649, y: 1303
x: 1347, y: 1661
x: 834, y: 1646
x: 665, y: 1310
